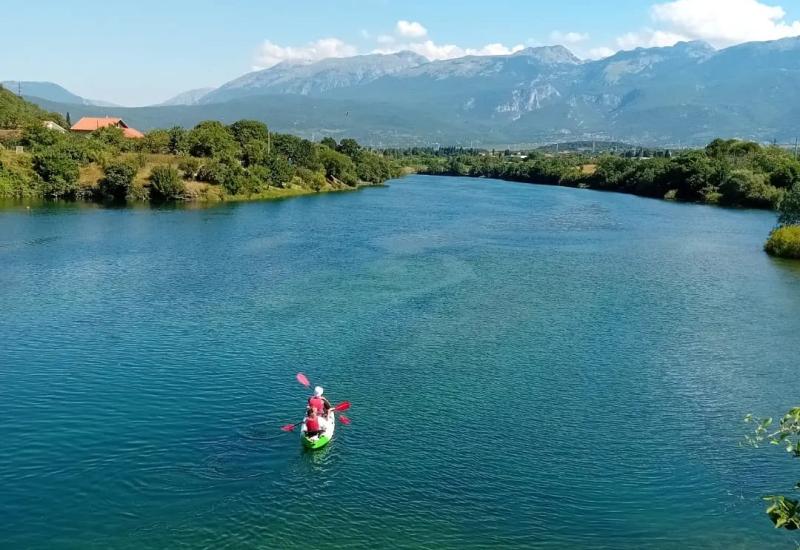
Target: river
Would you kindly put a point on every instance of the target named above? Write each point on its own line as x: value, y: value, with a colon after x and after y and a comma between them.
x: 528, y: 366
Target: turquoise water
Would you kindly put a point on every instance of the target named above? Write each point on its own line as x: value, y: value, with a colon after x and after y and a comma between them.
x: 529, y: 366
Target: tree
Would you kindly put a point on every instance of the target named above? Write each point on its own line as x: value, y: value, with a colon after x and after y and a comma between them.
x: 329, y: 142
x: 166, y: 183
x: 157, y: 142
x: 69, y: 121
x: 338, y: 166
x: 109, y: 135
x: 298, y: 151
x: 118, y: 180
x: 247, y: 131
x: 349, y: 147
x: 783, y: 511
x: 789, y: 208
x: 58, y: 173
x: 211, y: 139
x: 280, y: 171
x: 177, y: 140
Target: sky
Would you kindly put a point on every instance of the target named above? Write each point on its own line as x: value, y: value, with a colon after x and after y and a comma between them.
x: 144, y: 51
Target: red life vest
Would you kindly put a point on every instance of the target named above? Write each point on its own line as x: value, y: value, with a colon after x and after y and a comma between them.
x: 312, y: 424
x: 317, y: 403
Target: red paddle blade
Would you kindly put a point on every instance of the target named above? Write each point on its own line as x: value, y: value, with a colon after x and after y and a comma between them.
x: 342, y: 406
x: 344, y: 420
x: 303, y: 379
x: 288, y: 427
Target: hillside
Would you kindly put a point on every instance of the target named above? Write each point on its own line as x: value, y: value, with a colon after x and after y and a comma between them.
x: 51, y: 92
x: 15, y: 112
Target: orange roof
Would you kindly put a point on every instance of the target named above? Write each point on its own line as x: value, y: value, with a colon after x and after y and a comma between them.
x: 132, y: 133
x: 90, y: 124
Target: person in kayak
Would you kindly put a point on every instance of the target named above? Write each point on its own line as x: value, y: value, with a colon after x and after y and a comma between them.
x: 313, y: 425
x: 319, y: 403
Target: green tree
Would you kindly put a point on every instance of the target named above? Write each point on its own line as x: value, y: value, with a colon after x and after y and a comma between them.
x: 157, y: 142
x: 109, y: 135
x: 118, y: 180
x: 789, y: 208
x: 329, y: 142
x: 783, y: 511
x: 280, y: 170
x: 211, y: 139
x: 166, y: 184
x: 349, y: 147
x: 177, y: 140
x: 338, y: 166
x: 59, y: 173
x: 248, y: 131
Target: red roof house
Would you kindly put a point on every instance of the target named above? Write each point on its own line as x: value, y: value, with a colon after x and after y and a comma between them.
x: 90, y: 124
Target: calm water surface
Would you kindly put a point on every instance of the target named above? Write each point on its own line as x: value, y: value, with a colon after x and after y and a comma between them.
x: 529, y: 367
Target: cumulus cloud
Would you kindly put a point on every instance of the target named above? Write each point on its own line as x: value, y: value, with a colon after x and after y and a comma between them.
x: 649, y: 38
x: 558, y: 37
x: 434, y: 51
x: 600, y: 53
x: 410, y: 29
x: 721, y: 23
x: 270, y: 54
x: 725, y: 22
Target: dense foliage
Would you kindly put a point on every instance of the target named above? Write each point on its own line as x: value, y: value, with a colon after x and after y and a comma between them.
x: 243, y: 159
x: 783, y: 511
x: 728, y: 172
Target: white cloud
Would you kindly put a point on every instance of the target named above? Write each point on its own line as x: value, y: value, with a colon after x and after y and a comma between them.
x: 434, y: 51
x: 725, y: 22
x: 561, y: 38
x: 649, y: 38
x: 270, y: 54
x: 410, y: 29
x: 386, y: 39
x: 600, y: 52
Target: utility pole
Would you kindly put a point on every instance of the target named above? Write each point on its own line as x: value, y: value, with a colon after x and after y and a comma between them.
x: 19, y: 88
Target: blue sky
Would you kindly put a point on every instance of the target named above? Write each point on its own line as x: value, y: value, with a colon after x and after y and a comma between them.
x: 141, y: 52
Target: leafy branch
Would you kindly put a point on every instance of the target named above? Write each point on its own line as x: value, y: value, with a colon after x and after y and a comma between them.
x: 783, y: 511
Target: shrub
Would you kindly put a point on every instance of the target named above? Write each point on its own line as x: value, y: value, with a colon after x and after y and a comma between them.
x: 189, y: 166
x: 784, y: 242
x: 118, y: 180
x: 166, y: 183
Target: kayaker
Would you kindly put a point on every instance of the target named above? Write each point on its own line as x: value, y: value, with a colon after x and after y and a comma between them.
x: 319, y: 403
x: 312, y: 423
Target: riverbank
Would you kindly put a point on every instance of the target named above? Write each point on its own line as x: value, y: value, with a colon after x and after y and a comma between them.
x: 210, y: 162
x: 726, y: 172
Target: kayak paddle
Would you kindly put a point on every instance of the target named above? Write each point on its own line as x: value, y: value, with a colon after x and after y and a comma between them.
x: 344, y: 420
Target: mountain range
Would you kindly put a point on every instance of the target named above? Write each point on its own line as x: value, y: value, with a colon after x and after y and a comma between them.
x: 689, y: 93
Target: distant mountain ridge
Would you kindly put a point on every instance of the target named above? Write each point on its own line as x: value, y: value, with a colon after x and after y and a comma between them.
x: 689, y: 93
x: 51, y: 92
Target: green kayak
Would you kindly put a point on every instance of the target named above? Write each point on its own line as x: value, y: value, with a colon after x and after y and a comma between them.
x: 319, y: 441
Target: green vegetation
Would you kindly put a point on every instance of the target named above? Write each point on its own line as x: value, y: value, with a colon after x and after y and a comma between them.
x: 783, y: 511
x: 727, y: 172
x: 784, y: 241
x: 211, y: 161
x: 17, y: 113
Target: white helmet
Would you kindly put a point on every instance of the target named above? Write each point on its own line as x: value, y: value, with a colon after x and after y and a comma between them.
x: 318, y: 391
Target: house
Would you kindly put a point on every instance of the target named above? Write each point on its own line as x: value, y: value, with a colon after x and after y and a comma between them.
x: 89, y: 124
x: 50, y: 125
